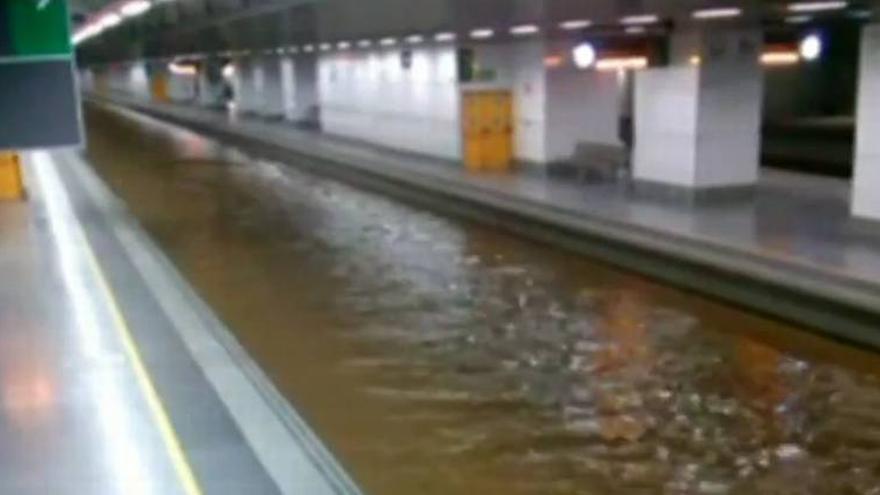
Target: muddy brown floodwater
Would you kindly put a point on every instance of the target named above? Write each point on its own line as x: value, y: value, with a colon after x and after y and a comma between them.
x: 436, y: 356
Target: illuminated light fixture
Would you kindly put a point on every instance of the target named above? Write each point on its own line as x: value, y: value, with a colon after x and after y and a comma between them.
x: 635, y: 30
x: 415, y: 39
x: 135, y: 8
x: 109, y: 20
x: 553, y: 61
x: 309, y: 48
x: 444, y: 37
x: 87, y: 32
x: 780, y: 58
x: 811, y: 47
x: 365, y: 43
x: 279, y: 51
x: 343, y: 45
x: 228, y: 71
x: 798, y: 19
x: 482, y: 34
x: 524, y: 30
x: 621, y: 63
x: 584, y: 55
x: 182, y: 69
x: 293, y: 49
x: 388, y: 42
x: 637, y: 20
x: 325, y: 47
x: 575, y: 24
x: 695, y: 60
x: 719, y: 13
x: 816, y: 6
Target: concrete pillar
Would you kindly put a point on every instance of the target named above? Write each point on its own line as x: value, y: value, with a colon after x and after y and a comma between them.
x: 250, y: 80
x: 697, y: 125
x: 271, y: 97
x: 866, y: 181
x: 211, y: 84
x: 299, y: 88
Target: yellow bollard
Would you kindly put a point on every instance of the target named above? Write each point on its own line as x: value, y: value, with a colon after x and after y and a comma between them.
x: 11, y: 181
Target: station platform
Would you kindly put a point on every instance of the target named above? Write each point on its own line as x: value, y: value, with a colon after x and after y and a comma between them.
x: 790, y: 250
x: 114, y: 376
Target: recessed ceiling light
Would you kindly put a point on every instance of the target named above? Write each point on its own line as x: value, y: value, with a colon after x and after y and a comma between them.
x: 575, y: 24
x: 415, y: 39
x: 365, y: 43
x: 388, y: 41
x: 639, y: 19
x: 524, y: 30
x: 325, y: 47
x: 482, y: 34
x: 816, y: 6
x: 443, y: 37
x: 719, y: 13
x: 343, y: 45
x: 309, y: 48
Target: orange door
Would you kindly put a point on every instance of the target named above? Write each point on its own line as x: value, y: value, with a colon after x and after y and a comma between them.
x: 473, y: 131
x: 487, y: 119
x: 159, y: 88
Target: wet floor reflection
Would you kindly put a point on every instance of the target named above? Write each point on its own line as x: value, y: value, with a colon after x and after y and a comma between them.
x: 440, y: 357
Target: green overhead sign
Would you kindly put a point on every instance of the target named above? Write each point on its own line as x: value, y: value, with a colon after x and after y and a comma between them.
x: 32, y: 29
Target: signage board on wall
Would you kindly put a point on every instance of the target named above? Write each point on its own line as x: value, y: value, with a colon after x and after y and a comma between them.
x: 38, y: 92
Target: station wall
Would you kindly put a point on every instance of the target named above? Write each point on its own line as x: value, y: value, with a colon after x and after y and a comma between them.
x: 373, y: 96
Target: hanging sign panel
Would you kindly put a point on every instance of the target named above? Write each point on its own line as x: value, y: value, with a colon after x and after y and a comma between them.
x: 38, y: 96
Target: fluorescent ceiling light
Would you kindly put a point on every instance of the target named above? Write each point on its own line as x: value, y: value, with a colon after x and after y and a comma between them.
x: 524, y: 30
x: 443, y: 37
x: 482, y: 34
x: 634, y: 30
x: 365, y: 43
x: 343, y: 45
x: 325, y: 47
x: 109, y: 20
x: 309, y: 48
x: 388, y: 42
x: 415, y: 39
x: 135, y: 8
x: 575, y: 24
x: 639, y: 19
x: 816, y: 6
x: 292, y: 49
x: 719, y: 13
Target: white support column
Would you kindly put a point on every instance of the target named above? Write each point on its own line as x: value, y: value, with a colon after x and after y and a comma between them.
x: 698, y: 124
x: 271, y: 96
x: 866, y: 181
x: 211, y: 84
x: 299, y: 88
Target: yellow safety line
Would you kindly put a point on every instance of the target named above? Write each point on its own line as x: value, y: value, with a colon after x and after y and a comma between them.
x: 160, y: 413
